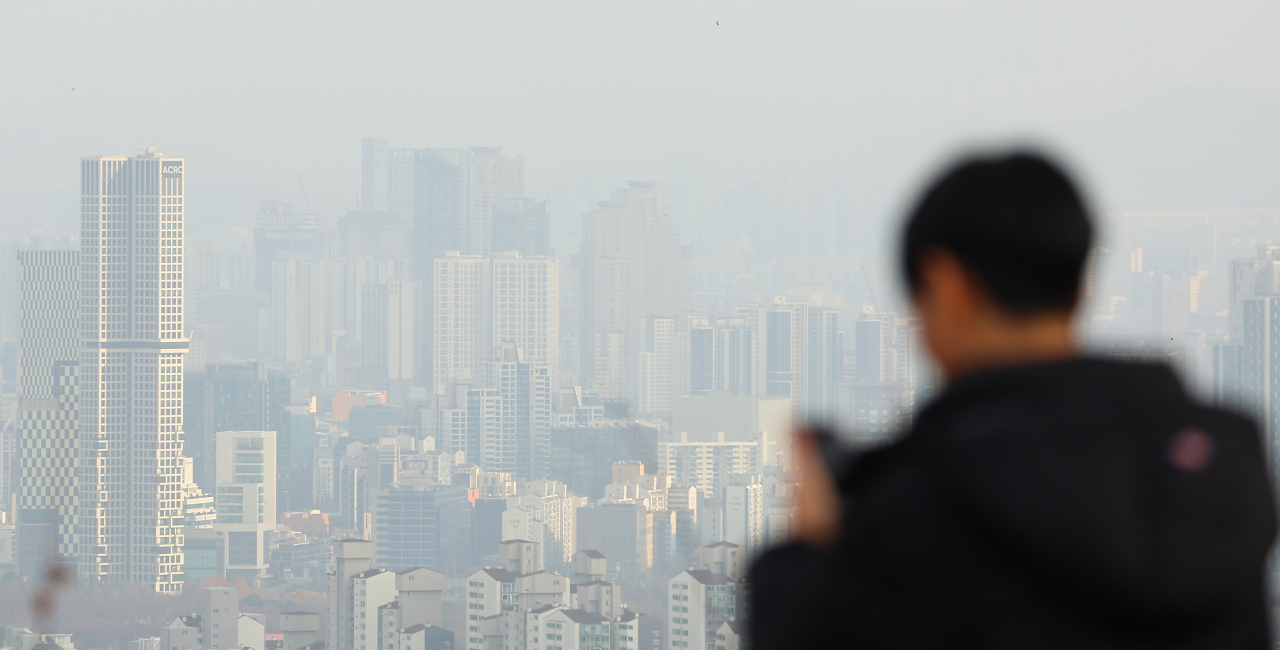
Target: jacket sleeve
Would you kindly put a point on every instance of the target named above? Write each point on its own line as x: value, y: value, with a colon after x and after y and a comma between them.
x: 789, y: 597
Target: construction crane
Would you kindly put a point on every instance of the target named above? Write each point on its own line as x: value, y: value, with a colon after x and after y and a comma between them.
x: 871, y: 292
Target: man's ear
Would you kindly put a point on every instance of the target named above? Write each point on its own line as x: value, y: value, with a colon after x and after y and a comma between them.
x: 947, y: 284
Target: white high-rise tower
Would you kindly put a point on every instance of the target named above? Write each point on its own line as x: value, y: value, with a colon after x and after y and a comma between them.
x: 50, y: 358
x: 130, y: 476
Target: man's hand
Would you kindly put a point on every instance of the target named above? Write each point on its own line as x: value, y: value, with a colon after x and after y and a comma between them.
x: 817, y: 503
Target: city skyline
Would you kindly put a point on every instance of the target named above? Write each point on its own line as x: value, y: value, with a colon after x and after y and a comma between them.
x: 528, y: 326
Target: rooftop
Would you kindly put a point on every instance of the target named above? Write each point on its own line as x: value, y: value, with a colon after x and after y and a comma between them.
x: 707, y: 577
x: 501, y: 575
x: 583, y: 617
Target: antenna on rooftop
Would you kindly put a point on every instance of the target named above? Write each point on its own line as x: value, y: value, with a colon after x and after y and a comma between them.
x: 305, y: 199
x: 465, y: 141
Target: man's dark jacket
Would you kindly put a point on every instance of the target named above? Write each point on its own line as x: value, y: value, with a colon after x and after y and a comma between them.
x: 1081, y: 504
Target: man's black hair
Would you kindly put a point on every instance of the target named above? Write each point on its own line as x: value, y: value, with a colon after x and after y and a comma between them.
x: 1015, y: 221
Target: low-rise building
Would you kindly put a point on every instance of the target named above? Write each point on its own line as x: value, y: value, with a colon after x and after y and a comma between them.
x: 732, y: 635
x: 183, y: 633
x: 698, y: 602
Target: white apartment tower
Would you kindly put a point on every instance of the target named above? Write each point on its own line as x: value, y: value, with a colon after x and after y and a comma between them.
x: 462, y: 333
x: 526, y: 306
x: 630, y: 270
x: 246, y: 499
x: 50, y: 344
x: 483, y: 304
x: 351, y: 558
x: 658, y: 367
x: 129, y: 520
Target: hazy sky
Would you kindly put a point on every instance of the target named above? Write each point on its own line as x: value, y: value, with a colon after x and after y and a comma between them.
x: 1166, y: 105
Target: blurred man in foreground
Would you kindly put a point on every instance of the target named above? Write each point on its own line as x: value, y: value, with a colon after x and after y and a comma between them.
x: 1044, y: 500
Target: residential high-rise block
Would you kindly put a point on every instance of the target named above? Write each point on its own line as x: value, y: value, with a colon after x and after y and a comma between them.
x: 521, y: 442
x: 449, y: 196
x: 823, y: 363
x: 129, y: 520
x: 802, y: 355
x: 9, y: 469
x: 526, y: 306
x: 462, y: 334
x: 389, y: 340
x: 782, y: 332
x: 657, y: 367
x: 303, y: 310
x: 872, y: 336
x: 744, y: 516
x: 49, y: 425
x: 482, y: 304
x: 708, y: 465
x: 722, y: 357
x: 351, y: 558
x: 630, y: 269
x: 623, y: 532
x: 700, y: 602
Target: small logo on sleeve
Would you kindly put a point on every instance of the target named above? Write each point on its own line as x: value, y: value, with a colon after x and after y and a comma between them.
x: 1190, y: 450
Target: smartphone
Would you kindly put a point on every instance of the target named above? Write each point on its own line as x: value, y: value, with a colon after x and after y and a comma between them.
x: 836, y: 454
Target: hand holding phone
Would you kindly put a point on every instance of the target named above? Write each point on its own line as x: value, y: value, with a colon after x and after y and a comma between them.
x: 817, y: 501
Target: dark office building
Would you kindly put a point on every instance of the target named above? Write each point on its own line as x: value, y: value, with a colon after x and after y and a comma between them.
x: 722, y: 358
x: 364, y: 419
x: 279, y: 233
x: 780, y: 352
x: 295, y: 458
x: 203, y: 554
x: 582, y: 456
x: 486, y: 528
x: 701, y: 360
x: 868, y: 345
x: 296, y: 559
x: 417, y: 526
x: 231, y: 397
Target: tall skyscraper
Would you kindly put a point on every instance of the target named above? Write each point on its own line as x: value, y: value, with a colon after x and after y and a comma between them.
x: 449, y: 196
x: 129, y: 522
x: 49, y: 424
x: 630, y: 269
